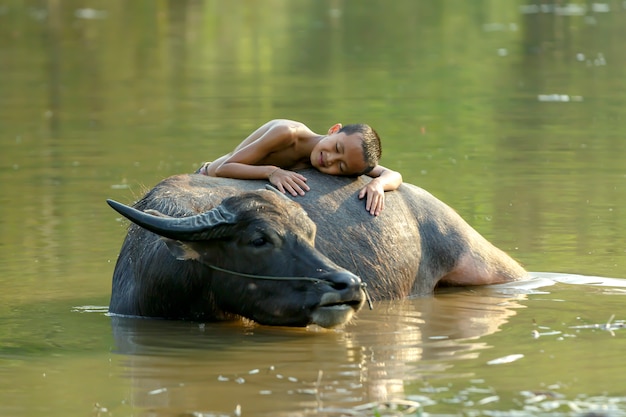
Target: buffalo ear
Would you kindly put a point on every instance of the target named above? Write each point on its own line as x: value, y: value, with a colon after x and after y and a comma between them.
x: 181, y: 250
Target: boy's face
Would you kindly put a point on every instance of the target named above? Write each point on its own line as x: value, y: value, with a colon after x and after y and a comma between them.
x: 339, y: 154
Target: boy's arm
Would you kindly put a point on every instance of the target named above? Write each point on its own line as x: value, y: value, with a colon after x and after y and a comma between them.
x: 271, y: 137
x: 389, y: 179
x: 383, y: 179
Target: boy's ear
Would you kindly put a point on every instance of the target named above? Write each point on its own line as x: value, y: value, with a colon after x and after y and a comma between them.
x: 336, y: 128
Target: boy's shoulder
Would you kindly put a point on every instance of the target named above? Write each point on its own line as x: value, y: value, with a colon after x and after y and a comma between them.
x: 287, y: 122
x: 297, y: 130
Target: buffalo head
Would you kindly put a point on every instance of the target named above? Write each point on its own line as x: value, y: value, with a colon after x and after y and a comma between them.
x: 254, y: 257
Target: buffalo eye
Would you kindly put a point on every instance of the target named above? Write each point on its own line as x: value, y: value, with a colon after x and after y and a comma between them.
x: 258, y: 242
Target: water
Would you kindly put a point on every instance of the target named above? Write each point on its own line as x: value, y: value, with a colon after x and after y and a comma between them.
x: 511, y: 113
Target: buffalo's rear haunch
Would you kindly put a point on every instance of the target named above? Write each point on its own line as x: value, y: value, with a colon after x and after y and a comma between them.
x: 206, y: 249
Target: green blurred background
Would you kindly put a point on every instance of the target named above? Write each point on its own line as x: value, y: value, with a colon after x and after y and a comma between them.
x: 509, y: 111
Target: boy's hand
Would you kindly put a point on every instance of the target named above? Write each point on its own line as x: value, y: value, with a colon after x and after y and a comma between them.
x: 289, y: 181
x: 375, y: 197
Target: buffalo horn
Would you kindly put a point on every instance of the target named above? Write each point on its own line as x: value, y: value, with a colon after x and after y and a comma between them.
x: 199, y: 227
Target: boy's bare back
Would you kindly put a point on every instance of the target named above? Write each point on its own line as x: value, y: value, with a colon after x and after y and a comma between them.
x: 278, y: 143
x: 277, y: 148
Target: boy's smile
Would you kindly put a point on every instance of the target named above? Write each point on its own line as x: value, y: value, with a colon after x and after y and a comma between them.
x: 339, y: 154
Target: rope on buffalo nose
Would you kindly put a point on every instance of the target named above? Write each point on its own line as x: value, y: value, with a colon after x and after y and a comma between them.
x: 269, y: 277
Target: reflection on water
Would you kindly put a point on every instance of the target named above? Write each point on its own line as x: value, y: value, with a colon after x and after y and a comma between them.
x: 510, y: 112
x: 530, y: 346
x: 216, y: 368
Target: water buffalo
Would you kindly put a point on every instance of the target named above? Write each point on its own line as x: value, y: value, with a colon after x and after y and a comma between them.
x: 202, y: 249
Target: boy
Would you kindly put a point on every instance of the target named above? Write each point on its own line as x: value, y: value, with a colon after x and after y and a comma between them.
x: 280, y: 146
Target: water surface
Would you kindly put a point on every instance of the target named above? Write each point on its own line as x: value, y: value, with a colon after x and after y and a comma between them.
x: 510, y: 113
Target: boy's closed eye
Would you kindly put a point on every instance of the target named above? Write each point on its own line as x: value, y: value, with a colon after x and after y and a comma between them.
x: 342, y: 165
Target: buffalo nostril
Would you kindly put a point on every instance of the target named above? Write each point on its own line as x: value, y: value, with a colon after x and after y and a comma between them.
x: 343, y: 280
x: 339, y: 286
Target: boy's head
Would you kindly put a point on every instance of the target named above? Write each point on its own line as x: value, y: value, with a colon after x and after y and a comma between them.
x: 347, y: 150
x: 372, y: 149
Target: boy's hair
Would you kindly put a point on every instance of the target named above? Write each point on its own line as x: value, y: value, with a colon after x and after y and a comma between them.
x: 372, y: 149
